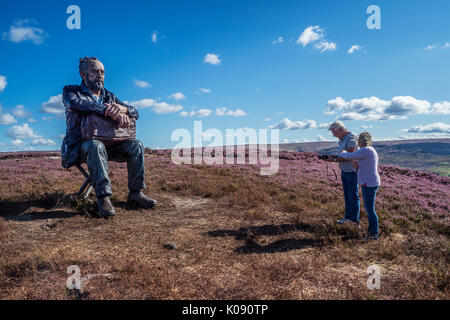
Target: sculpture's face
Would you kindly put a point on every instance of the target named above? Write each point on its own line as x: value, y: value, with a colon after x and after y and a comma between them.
x: 95, y: 76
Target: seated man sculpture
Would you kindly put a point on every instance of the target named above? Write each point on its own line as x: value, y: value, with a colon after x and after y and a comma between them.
x: 92, y: 97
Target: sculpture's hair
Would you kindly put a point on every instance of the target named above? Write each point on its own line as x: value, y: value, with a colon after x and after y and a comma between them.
x: 336, y: 125
x: 365, y: 139
x: 85, y: 62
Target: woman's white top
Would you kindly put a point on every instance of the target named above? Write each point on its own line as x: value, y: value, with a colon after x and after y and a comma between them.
x: 367, y: 159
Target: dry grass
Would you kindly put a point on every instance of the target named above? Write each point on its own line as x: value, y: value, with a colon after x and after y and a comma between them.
x: 239, y: 235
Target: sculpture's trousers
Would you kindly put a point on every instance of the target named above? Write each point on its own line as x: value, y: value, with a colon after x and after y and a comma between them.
x: 96, y: 156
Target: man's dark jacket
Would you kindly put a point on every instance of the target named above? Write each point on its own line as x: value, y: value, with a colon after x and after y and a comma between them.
x: 78, y: 103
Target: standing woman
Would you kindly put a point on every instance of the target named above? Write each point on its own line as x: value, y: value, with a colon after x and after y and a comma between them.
x: 368, y: 178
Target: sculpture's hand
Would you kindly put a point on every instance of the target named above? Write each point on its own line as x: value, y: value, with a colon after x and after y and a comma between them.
x: 124, y: 121
x: 122, y: 108
x: 112, y: 111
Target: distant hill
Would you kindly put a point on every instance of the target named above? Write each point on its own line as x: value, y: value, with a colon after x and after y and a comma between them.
x: 308, y: 146
x: 431, y: 155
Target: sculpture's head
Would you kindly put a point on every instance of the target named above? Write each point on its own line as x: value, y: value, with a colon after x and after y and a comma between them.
x: 92, y: 72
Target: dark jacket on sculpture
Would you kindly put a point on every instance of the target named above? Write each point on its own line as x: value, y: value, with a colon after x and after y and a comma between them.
x: 79, y: 102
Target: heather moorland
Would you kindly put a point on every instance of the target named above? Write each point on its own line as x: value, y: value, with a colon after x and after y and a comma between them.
x: 220, y: 232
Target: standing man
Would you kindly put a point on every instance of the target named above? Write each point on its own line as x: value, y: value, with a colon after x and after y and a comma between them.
x: 347, y: 143
x: 92, y: 97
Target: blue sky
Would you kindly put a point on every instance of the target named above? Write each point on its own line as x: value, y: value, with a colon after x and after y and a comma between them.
x: 231, y: 64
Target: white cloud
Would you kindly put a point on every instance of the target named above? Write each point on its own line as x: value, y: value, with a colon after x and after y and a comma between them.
x: 442, y: 108
x: 54, y: 105
x: 335, y: 104
x: 368, y: 117
x: 238, y: 113
x: 157, y: 107
x: 309, y: 35
x: 287, y: 124
x: 187, y: 114
x: 437, y: 127
x: 355, y: 116
x: 408, y: 105
x: 314, y: 34
x: 202, y: 90
x: 279, y: 40
x: 221, y: 111
x: 17, y: 143
x: 163, y: 108
x: 212, y: 59
x: 364, y: 105
x: 20, y: 112
x: 177, y: 96
x: 325, y: 46
x: 364, y: 127
x: 141, y: 104
x: 20, y: 32
x: 7, y: 119
x: 374, y: 108
x: 31, y: 120
x: 3, y: 83
x: 22, y: 132
x: 201, y: 113
x: 226, y: 112
x: 142, y: 84
x: 324, y: 125
x: 154, y: 38
x: 435, y: 46
x: 43, y: 142
x: 354, y: 48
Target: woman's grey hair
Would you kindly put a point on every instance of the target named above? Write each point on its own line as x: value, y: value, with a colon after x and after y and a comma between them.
x: 336, y: 125
x: 365, y: 139
x: 85, y: 62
